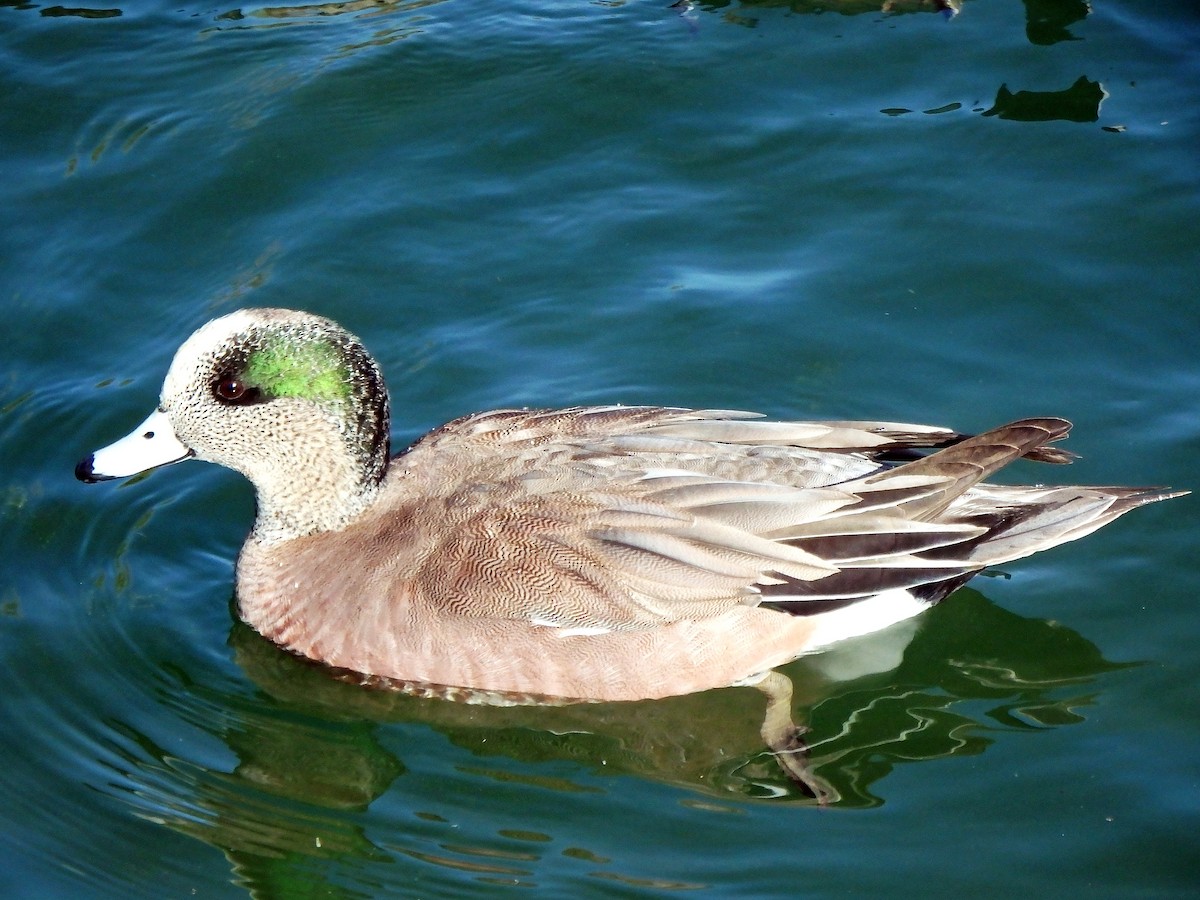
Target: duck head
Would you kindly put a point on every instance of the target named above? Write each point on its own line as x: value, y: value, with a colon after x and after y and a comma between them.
x: 291, y: 400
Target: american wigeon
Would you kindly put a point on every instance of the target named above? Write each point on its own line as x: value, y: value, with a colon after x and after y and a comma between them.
x: 591, y: 553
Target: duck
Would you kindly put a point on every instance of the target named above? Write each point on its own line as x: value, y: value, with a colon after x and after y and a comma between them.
x: 593, y: 553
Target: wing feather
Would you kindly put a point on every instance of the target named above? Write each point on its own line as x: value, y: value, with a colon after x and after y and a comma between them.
x: 601, y: 518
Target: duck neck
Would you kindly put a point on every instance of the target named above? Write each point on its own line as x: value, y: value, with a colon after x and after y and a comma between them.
x: 326, y: 494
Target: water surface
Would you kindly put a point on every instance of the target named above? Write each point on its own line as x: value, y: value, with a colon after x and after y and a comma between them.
x: 812, y: 210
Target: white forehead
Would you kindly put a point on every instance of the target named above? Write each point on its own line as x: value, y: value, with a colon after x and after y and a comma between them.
x: 202, y: 346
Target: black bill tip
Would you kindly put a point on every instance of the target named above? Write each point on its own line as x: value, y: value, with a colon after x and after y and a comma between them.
x: 85, y: 470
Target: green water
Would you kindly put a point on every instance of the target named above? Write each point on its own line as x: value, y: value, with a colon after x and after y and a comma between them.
x: 812, y: 210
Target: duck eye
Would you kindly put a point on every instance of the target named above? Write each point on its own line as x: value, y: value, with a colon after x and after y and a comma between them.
x: 231, y: 389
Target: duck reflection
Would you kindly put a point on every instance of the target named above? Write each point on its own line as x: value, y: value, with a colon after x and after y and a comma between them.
x: 313, y: 753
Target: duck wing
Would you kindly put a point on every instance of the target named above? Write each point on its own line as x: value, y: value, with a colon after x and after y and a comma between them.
x: 610, y: 518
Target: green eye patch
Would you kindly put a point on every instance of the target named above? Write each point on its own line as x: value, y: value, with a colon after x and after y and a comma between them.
x: 289, y: 366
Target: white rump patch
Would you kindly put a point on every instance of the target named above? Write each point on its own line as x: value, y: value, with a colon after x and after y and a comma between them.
x: 864, y: 616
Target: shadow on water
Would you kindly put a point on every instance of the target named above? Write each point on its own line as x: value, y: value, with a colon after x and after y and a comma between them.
x: 845, y: 7
x: 1078, y: 103
x: 1046, y: 21
x: 311, y: 757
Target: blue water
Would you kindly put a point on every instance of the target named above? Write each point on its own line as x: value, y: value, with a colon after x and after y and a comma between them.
x: 811, y: 210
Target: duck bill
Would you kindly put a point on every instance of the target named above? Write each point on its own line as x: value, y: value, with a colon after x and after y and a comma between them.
x: 150, y: 445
